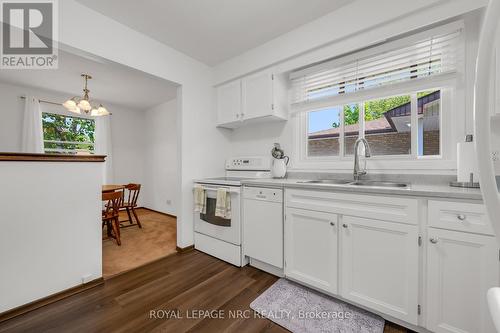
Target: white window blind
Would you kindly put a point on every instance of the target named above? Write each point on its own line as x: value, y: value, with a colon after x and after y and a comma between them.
x: 416, y: 58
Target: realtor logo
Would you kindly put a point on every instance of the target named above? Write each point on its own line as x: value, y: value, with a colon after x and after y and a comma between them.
x: 29, y: 34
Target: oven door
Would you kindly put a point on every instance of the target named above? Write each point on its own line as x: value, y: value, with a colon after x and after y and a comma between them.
x: 228, y: 230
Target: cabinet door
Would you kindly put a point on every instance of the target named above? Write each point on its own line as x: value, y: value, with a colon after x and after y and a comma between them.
x: 311, y: 248
x: 461, y: 268
x: 229, y: 102
x: 257, y: 94
x: 379, y: 266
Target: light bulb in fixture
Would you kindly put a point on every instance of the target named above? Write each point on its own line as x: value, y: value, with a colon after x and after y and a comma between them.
x: 102, y: 111
x: 70, y: 104
x: 94, y: 112
x: 76, y: 110
x: 84, y: 105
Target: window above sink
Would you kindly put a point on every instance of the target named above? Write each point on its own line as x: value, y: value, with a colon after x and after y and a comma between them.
x: 404, y: 102
x: 386, y: 123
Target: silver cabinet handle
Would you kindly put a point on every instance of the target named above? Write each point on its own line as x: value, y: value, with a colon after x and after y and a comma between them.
x: 345, y: 225
x: 242, y: 114
x: 461, y: 217
x: 434, y: 240
x: 332, y: 224
x: 237, y: 115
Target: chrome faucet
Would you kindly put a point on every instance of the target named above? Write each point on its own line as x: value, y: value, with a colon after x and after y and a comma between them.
x: 357, y: 172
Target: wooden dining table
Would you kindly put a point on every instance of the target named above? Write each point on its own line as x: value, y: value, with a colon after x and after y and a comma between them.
x: 112, y: 188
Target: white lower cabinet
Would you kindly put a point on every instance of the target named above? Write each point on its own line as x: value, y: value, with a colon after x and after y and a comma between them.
x: 311, y: 248
x: 379, y: 266
x: 461, y: 267
x: 378, y: 260
x: 332, y: 243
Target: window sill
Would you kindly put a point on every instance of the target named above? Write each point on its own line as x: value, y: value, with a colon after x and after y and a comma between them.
x: 400, y: 166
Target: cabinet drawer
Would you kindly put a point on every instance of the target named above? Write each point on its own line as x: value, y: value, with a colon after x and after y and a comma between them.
x: 403, y: 210
x: 460, y: 216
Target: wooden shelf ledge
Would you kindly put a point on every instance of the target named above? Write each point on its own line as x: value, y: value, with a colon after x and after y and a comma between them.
x: 28, y: 157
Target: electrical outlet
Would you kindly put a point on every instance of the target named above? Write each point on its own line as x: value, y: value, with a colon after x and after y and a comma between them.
x: 169, y: 202
x: 495, y: 156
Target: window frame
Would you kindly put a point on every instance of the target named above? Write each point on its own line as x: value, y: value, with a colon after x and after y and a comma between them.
x: 68, y: 151
x: 446, y: 159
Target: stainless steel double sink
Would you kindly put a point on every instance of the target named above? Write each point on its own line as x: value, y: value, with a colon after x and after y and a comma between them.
x: 366, y: 183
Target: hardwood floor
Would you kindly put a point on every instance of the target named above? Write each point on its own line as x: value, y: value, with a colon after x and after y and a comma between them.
x: 177, y: 284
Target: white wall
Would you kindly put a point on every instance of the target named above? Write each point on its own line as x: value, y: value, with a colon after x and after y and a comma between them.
x: 161, y: 173
x: 258, y: 139
x: 51, y: 228
x: 128, y: 140
x: 12, y: 117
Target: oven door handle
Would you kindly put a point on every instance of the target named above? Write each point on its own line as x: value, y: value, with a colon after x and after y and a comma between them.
x: 234, y: 189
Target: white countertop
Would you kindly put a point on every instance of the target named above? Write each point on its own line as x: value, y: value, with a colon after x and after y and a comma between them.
x: 421, y: 190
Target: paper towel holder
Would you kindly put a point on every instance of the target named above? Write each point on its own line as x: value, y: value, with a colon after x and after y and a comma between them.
x: 469, y: 184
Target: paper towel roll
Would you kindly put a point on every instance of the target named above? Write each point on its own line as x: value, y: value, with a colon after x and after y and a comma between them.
x: 466, y: 162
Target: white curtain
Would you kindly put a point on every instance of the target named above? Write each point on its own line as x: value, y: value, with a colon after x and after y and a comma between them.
x: 32, y: 137
x: 103, y: 146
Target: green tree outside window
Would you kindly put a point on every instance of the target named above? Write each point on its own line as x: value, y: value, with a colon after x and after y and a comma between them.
x: 69, y: 135
x: 375, y: 109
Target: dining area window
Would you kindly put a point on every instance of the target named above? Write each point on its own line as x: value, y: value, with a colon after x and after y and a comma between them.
x: 68, y: 135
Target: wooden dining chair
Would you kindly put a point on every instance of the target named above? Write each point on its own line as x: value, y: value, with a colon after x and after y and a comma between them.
x: 110, y: 214
x: 129, y: 202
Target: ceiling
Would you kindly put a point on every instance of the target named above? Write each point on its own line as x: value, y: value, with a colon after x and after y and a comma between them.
x: 112, y: 83
x: 213, y: 31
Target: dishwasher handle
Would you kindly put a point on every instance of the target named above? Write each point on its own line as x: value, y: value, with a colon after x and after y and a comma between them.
x: 263, y: 194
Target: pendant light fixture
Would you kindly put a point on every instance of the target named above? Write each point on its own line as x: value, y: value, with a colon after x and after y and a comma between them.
x: 83, y: 105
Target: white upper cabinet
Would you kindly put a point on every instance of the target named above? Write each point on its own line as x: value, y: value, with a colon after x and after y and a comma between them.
x: 261, y: 97
x: 461, y: 269
x: 229, y: 102
x: 379, y: 266
x: 257, y: 95
x: 311, y: 248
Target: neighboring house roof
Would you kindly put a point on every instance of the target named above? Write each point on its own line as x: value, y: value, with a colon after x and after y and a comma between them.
x: 381, y: 125
x: 405, y: 109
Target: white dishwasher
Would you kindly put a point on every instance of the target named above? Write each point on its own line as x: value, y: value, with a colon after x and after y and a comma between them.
x: 263, y: 228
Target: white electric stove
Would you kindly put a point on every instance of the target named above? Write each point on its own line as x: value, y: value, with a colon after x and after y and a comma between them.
x: 220, y: 237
